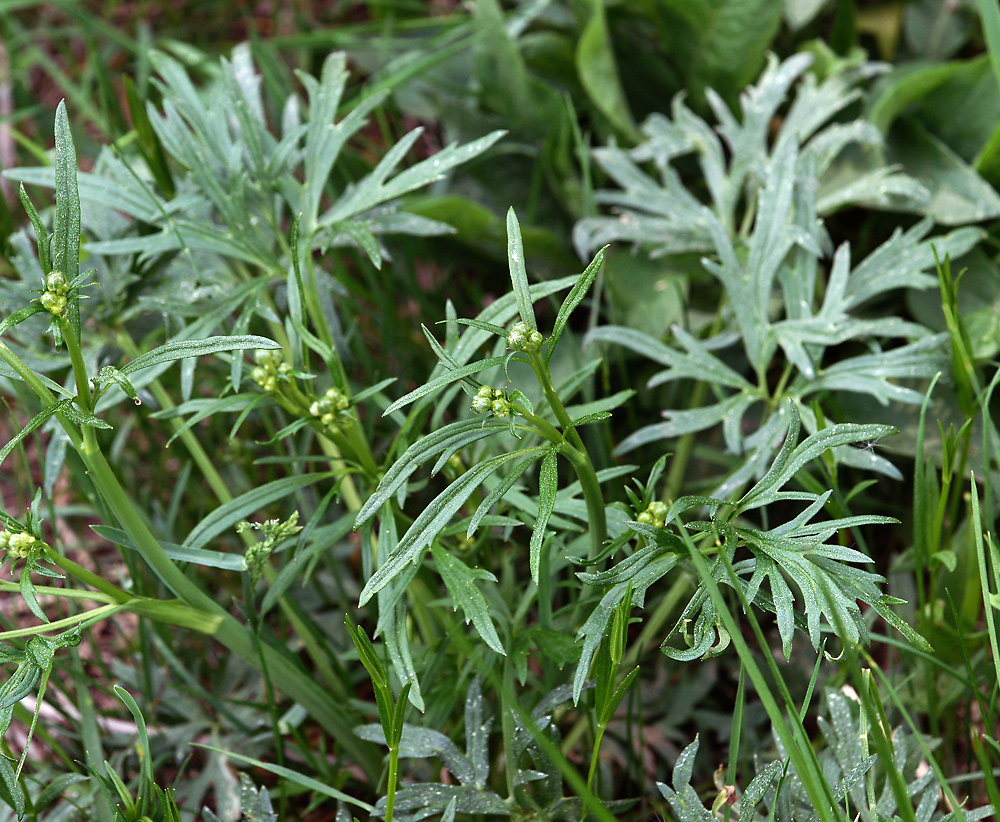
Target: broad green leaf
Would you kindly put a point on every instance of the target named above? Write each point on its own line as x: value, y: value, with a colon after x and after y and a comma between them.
x: 548, y: 485
x: 598, y: 72
x: 180, y: 349
x: 722, y: 43
x: 460, y: 580
x: 905, y: 86
x: 958, y: 193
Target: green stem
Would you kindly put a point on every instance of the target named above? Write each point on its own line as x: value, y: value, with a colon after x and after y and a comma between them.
x: 335, y: 718
x: 579, y: 457
x: 598, y: 737
x: 84, y: 397
x: 390, y: 796
x: 68, y: 622
x: 111, y: 592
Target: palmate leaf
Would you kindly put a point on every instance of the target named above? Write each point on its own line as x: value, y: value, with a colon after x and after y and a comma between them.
x: 793, y: 456
x: 794, y: 558
x: 772, y: 274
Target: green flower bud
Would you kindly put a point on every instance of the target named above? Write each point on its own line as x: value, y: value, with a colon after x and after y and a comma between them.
x: 337, y: 399
x: 481, y: 404
x: 55, y: 304
x: 4, y: 539
x: 517, y: 337
x: 56, y: 283
x: 500, y: 407
x: 20, y: 544
x: 655, y: 514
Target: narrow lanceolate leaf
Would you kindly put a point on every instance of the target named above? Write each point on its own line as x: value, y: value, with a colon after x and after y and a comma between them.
x: 493, y: 328
x: 432, y: 520
x: 75, y: 415
x: 66, y: 239
x: 43, y: 238
x: 34, y: 423
x: 518, y: 273
x: 19, y: 316
x: 445, y: 379
x: 548, y: 484
x: 461, y: 582
x: 180, y: 349
x: 573, y: 299
x: 450, y: 438
x: 494, y: 496
x: 808, y: 450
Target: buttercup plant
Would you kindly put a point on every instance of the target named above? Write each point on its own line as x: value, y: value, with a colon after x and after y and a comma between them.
x: 505, y: 598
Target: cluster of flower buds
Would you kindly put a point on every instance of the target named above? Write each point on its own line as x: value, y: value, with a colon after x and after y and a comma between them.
x: 17, y: 544
x: 271, y: 367
x: 487, y: 400
x: 522, y: 338
x: 655, y: 514
x: 55, y: 295
x: 329, y: 405
x: 273, y: 532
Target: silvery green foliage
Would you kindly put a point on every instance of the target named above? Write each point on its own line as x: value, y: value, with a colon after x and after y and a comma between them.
x: 793, y: 562
x: 765, y: 242
x: 851, y: 772
x: 538, y: 775
x: 255, y: 805
x: 239, y: 179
